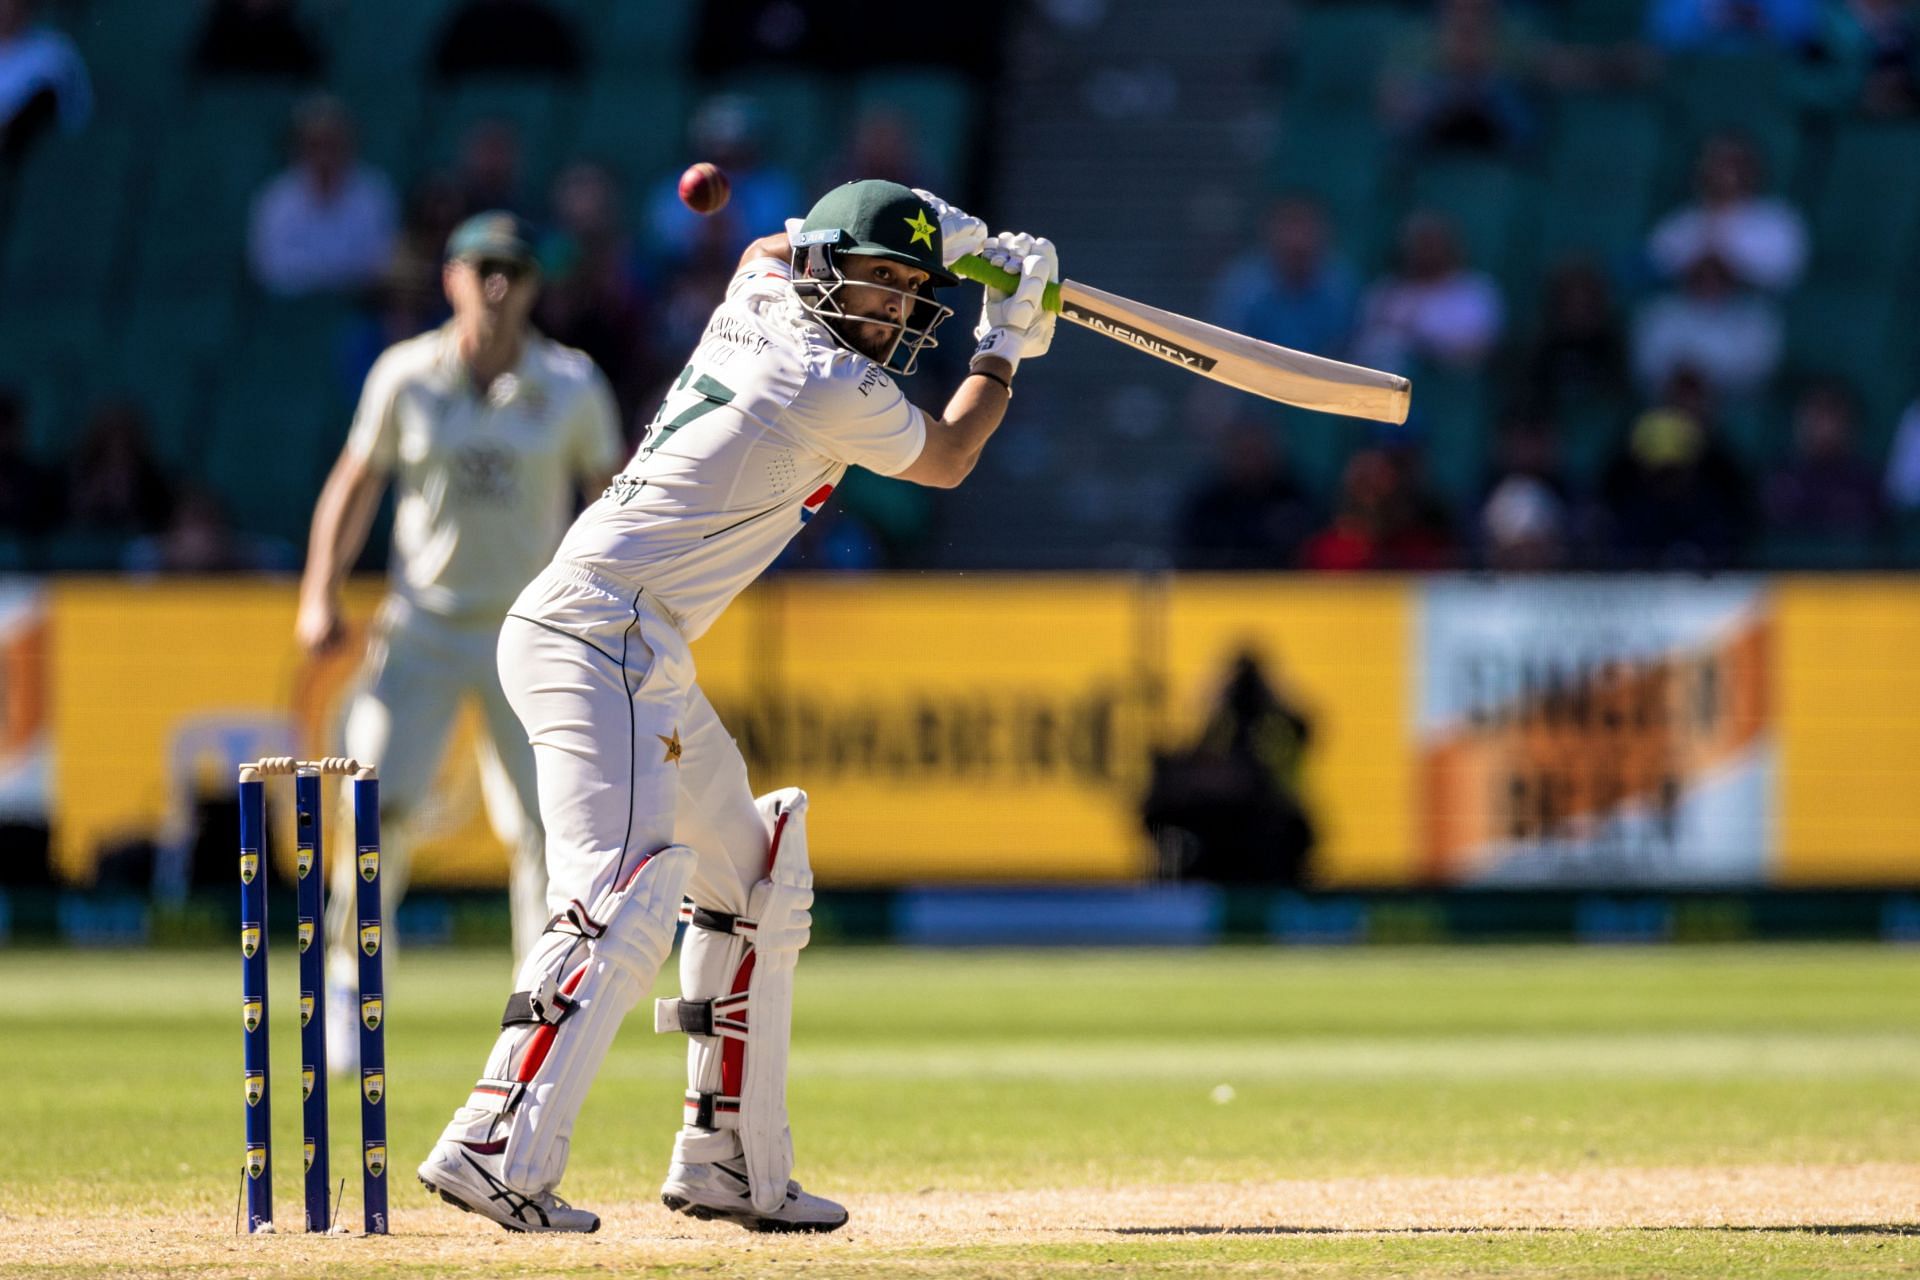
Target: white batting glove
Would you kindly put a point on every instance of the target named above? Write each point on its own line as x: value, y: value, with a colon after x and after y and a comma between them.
x: 1017, y: 325
x: 960, y: 233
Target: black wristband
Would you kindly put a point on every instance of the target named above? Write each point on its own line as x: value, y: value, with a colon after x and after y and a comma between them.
x: 982, y: 373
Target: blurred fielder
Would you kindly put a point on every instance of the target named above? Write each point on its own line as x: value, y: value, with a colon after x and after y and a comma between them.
x: 645, y: 796
x: 487, y: 429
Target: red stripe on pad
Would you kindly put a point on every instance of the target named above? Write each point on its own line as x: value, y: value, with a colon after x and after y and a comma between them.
x: 542, y: 1041
x: 733, y: 1053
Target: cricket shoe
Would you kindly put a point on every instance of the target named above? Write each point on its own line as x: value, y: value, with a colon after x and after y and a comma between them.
x: 470, y: 1180
x: 719, y: 1191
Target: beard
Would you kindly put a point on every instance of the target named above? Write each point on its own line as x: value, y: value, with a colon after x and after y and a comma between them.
x: 872, y: 339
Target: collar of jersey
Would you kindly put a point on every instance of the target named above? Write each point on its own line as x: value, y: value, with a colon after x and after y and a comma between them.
x: 451, y: 367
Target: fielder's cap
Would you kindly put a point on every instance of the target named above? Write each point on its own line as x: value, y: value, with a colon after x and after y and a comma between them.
x: 882, y: 220
x: 494, y: 234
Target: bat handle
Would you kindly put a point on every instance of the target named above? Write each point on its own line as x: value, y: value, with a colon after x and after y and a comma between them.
x: 976, y: 268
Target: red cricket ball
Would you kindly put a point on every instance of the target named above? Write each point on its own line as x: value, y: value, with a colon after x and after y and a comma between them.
x: 704, y: 189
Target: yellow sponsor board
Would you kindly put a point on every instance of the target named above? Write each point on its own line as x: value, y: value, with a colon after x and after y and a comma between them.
x: 157, y: 686
x: 1341, y: 652
x: 1847, y: 684
x: 949, y: 728
x: 966, y: 728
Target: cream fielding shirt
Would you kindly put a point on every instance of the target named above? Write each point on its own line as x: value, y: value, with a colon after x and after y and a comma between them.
x: 485, y: 479
x: 748, y: 445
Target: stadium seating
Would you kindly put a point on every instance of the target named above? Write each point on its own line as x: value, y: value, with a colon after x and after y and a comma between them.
x: 1337, y: 50
x: 1866, y: 208
x: 651, y: 37
x: 122, y: 252
x: 935, y: 106
x: 636, y: 126
x: 69, y: 224
x: 1609, y: 143
x: 540, y: 112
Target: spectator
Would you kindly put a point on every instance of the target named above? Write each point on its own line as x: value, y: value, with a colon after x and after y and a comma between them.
x: 1432, y: 308
x: 116, y: 486
x: 883, y: 147
x: 1523, y: 527
x: 1580, y: 353
x: 200, y: 539
x: 1292, y: 289
x: 43, y: 83
x: 1730, y: 336
x: 592, y: 298
x: 1228, y: 809
x: 1527, y: 444
x: 29, y: 492
x: 1827, y: 490
x: 404, y: 304
x: 1866, y: 59
x: 1384, y: 520
x: 1731, y: 26
x: 434, y: 208
x: 1675, y: 497
x: 511, y: 37
x: 1903, y: 464
x: 1762, y: 240
x: 489, y: 173
x: 733, y: 34
x: 326, y: 224
x: 256, y: 38
x: 726, y: 130
x: 1248, y: 512
x: 694, y: 287
x: 1464, y: 85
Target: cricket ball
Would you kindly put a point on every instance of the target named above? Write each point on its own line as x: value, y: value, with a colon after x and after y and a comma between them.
x: 704, y: 189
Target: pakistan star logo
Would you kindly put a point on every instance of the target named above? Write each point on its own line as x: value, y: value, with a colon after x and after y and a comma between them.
x: 921, y: 228
x: 672, y: 745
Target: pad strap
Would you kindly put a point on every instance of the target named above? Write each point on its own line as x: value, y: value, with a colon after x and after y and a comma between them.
x: 525, y: 1009
x: 716, y: 1017
x: 718, y: 921
x: 713, y: 1111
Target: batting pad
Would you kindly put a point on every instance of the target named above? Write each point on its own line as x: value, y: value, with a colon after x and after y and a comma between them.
x: 737, y: 1010
x: 556, y: 1033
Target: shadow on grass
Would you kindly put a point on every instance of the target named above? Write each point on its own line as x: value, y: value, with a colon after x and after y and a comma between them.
x: 1810, y: 1228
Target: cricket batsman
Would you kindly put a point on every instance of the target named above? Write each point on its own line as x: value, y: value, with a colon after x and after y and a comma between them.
x: 491, y: 433
x: 645, y: 796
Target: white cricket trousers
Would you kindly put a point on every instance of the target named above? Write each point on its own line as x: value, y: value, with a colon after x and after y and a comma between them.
x: 629, y: 754
x: 419, y: 669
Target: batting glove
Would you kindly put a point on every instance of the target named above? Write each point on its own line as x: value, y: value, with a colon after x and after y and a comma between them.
x: 960, y: 233
x: 1017, y: 325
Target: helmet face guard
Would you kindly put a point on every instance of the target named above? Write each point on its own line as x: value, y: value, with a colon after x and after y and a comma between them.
x: 818, y: 280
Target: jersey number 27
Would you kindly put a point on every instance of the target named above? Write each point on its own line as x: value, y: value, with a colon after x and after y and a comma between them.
x: 708, y: 396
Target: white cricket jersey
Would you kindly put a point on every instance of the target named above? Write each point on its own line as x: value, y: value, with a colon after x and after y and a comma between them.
x: 485, y: 481
x: 758, y: 429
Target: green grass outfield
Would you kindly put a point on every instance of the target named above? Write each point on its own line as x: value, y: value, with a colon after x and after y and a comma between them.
x: 1709, y: 1111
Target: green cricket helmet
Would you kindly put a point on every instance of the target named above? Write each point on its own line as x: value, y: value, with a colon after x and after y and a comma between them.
x: 875, y: 219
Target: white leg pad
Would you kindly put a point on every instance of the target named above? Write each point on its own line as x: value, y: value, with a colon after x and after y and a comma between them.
x: 737, y: 1010
x: 581, y: 981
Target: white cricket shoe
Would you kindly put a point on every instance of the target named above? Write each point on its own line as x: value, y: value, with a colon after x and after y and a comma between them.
x: 470, y: 1180
x: 719, y: 1190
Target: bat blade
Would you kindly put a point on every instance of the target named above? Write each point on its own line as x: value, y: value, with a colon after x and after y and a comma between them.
x: 1278, y: 373
x: 1292, y: 377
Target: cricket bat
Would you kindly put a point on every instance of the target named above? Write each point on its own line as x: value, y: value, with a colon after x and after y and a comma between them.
x: 1279, y: 373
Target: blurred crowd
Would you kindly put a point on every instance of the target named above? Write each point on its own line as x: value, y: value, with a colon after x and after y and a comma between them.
x: 629, y: 279
x: 1712, y: 452
x: 1676, y: 352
